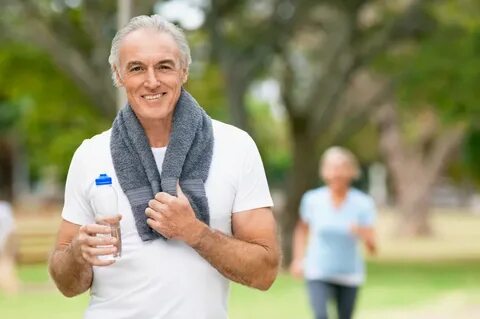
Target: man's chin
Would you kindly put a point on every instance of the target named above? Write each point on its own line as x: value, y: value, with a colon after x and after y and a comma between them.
x: 154, y: 114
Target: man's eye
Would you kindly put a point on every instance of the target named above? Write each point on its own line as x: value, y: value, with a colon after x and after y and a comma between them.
x: 165, y: 67
x: 135, y: 69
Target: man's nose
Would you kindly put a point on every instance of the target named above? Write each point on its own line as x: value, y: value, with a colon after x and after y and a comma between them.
x: 151, y: 81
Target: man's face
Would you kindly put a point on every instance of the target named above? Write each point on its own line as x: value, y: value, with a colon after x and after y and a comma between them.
x: 151, y: 72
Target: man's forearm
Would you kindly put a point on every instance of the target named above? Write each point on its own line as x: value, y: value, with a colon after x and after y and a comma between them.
x: 71, y: 276
x: 247, y: 263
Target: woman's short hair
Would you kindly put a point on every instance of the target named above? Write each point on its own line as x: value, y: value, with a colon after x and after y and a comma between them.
x: 344, y: 153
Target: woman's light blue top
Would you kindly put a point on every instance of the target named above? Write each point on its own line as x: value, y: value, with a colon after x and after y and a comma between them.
x: 333, y: 252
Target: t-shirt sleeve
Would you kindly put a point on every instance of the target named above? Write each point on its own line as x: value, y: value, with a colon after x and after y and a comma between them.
x: 368, y: 214
x: 252, y: 187
x: 76, y: 207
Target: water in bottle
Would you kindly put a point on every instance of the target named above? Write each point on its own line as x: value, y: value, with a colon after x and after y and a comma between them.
x: 104, y: 201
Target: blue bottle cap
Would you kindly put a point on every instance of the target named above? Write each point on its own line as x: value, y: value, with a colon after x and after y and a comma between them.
x: 103, y: 179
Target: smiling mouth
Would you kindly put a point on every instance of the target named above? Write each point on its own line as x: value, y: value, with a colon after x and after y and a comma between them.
x: 152, y: 97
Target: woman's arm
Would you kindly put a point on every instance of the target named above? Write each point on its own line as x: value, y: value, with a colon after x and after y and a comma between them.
x: 367, y: 235
x: 300, y: 235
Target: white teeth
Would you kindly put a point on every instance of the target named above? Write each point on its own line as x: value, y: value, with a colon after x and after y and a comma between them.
x: 153, y: 97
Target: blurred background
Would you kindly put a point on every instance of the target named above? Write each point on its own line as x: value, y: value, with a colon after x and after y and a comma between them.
x: 394, y: 81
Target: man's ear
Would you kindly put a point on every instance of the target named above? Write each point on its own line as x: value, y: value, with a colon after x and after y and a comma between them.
x: 185, y: 76
x: 118, y: 78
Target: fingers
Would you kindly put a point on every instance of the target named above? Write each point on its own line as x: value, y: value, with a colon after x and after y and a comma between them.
x: 93, y: 229
x: 156, y: 218
x: 91, y: 246
x: 164, y: 198
x: 154, y: 224
x: 153, y: 214
x: 157, y: 226
x: 157, y: 206
x: 99, y: 250
x: 171, y: 201
x: 99, y: 241
x: 169, y: 215
x: 180, y: 193
x: 94, y: 261
x: 95, y: 247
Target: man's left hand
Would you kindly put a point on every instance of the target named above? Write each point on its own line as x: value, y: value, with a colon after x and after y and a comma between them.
x: 174, y: 218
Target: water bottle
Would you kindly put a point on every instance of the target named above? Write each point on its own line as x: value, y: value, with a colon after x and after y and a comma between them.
x: 104, y: 202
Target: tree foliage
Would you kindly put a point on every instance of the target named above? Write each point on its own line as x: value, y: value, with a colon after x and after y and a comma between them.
x: 50, y: 114
x: 443, y: 69
x: 441, y: 73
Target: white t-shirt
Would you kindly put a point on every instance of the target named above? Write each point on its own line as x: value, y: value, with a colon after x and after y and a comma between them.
x: 159, y: 278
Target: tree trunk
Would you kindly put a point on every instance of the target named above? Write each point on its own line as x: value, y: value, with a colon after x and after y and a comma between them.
x: 413, y: 204
x: 236, y: 91
x: 415, y: 168
x: 20, y: 168
x: 303, y: 176
x: 6, y: 178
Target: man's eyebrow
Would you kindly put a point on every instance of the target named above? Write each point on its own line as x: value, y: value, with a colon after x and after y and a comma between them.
x: 166, y: 61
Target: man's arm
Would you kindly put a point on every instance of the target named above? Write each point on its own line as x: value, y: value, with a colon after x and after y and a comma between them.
x: 251, y: 257
x: 70, y: 264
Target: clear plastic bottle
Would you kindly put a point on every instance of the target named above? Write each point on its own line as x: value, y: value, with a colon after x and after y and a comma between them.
x: 104, y: 201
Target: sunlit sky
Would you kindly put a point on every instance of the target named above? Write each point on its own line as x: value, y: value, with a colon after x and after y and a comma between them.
x: 188, y: 13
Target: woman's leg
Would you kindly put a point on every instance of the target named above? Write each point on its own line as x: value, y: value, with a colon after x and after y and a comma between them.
x: 345, y: 297
x: 319, y: 292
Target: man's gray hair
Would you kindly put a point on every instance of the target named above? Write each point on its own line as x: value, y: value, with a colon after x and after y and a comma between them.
x: 155, y: 22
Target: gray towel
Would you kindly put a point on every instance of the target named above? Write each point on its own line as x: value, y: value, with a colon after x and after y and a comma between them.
x: 187, y: 160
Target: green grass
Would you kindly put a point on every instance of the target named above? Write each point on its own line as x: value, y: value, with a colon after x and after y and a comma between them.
x: 33, y: 273
x: 391, y: 285
x: 42, y: 304
x: 286, y: 299
x: 407, y: 275
x: 39, y: 298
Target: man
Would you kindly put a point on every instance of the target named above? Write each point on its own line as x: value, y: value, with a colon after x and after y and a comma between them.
x: 210, y: 219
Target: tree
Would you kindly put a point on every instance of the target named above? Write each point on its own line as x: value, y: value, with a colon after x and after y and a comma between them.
x: 76, y: 36
x: 48, y: 115
x: 9, y: 115
x: 244, y: 36
x: 436, y: 104
x: 333, y: 45
x: 317, y: 48
x: 416, y: 162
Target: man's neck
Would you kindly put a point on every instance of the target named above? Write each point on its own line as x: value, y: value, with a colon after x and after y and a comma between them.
x: 158, y: 131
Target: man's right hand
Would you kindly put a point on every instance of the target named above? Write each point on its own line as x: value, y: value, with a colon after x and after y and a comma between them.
x: 87, y: 246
